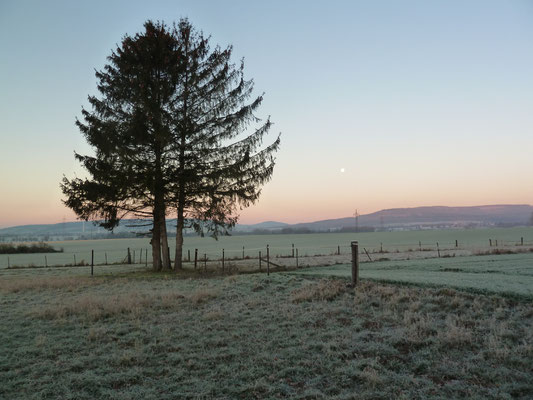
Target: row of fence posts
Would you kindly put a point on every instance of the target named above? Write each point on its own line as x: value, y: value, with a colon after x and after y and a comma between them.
x: 131, y: 258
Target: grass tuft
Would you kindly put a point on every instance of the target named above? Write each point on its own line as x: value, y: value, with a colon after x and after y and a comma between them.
x: 325, y: 289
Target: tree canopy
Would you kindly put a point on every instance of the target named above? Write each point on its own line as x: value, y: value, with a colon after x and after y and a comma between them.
x: 173, y: 132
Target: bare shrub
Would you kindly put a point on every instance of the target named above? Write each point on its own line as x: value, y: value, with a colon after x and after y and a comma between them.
x: 323, y: 290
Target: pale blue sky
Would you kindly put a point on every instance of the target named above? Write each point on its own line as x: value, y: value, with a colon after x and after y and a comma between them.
x: 421, y: 102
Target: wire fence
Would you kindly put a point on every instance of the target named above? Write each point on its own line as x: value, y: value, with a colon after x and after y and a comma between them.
x: 280, y: 256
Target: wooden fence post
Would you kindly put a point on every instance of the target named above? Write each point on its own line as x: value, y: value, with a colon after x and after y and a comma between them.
x: 106, y: 258
x: 496, y: 242
x: 243, y: 252
x: 522, y: 241
x: 222, y: 260
x: 268, y: 260
x: 129, y: 256
x: 490, y: 242
x: 338, y: 250
x: 438, y: 250
x: 293, y: 250
x: 355, y: 262
x: 189, y: 255
x: 146, y: 257
x: 456, y: 243
x: 92, y: 262
x: 195, y: 258
x: 381, y: 248
x: 419, y: 245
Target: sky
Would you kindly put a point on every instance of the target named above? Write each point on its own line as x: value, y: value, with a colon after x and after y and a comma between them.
x: 380, y: 104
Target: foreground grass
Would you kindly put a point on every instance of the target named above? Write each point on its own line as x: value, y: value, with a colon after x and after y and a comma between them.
x: 253, y: 336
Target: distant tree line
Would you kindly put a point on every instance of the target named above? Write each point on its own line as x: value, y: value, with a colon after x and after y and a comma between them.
x: 8, y: 248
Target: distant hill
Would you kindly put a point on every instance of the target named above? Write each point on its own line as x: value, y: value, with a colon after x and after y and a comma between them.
x: 127, y: 228
x: 394, y: 218
x: 492, y: 215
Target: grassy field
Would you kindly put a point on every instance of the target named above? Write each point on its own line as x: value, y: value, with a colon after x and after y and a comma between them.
x: 308, y: 244
x: 252, y: 336
x: 504, y: 274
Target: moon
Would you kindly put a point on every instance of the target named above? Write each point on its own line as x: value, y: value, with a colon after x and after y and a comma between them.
x: 342, y: 170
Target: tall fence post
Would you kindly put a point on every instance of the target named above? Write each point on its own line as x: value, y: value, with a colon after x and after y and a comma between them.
x: 338, y: 250
x: 129, y: 256
x: 106, y: 258
x: 420, y: 245
x: 496, y: 242
x: 195, y: 258
x: 222, y: 260
x: 293, y: 250
x: 92, y: 262
x: 146, y: 257
x: 381, y: 247
x: 355, y: 262
x: 522, y: 241
x: 268, y: 260
x: 490, y: 242
x: 243, y: 252
x: 456, y: 243
x: 189, y: 255
x: 438, y: 250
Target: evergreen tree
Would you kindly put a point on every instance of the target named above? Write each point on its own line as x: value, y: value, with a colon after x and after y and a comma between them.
x: 172, y: 133
x: 218, y: 162
x: 129, y: 129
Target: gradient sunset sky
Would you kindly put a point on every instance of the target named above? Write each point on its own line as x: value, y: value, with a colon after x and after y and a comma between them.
x: 417, y: 102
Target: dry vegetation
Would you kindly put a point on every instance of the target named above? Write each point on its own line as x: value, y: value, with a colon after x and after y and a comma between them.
x: 253, y: 336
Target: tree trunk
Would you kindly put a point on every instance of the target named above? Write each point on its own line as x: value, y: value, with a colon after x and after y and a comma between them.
x: 164, y: 242
x: 156, y: 242
x: 179, y: 242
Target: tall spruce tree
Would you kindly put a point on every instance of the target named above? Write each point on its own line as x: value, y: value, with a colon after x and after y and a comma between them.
x: 172, y: 133
x: 219, y: 164
x: 129, y: 129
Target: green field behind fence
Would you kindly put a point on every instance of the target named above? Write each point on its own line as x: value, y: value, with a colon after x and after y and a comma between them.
x: 280, y: 245
x: 505, y: 274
